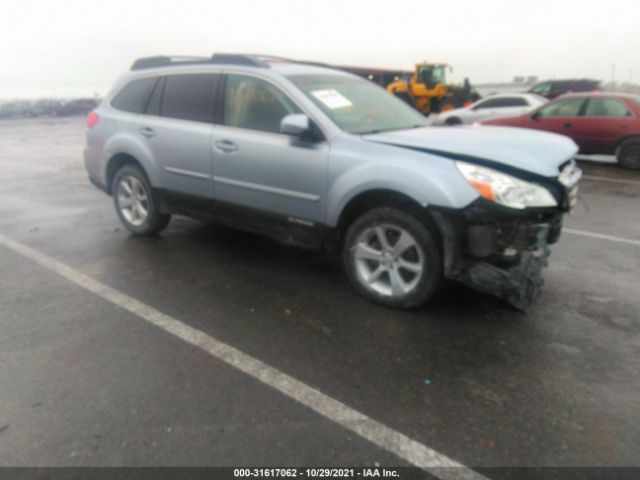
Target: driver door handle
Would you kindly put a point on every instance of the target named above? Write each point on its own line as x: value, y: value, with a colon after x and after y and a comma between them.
x: 225, y: 146
x: 568, y: 125
x: 147, y: 132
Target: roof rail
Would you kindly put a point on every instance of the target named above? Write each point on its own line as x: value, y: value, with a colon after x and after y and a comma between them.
x: 314, y: 63
x: 217, y: 58
x: 240, y: 59
x: 165, y: 61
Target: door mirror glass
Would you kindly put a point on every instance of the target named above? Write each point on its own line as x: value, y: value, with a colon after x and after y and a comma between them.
x: 295, y: 124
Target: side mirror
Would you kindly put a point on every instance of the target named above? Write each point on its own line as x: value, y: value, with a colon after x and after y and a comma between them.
x: 535, y: 115
x: 295, y: 124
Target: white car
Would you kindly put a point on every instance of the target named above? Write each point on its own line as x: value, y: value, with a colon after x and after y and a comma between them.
x: 494, y: 106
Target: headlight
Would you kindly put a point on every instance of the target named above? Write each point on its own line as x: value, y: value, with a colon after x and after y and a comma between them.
x: 505, y: 189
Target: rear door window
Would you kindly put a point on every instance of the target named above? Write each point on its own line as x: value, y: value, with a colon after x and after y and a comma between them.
x: 606, y: 107
x: 133, y: 97
x: 189, y: 97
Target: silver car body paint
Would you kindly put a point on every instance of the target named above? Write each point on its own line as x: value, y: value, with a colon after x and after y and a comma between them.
x: 312, y: 182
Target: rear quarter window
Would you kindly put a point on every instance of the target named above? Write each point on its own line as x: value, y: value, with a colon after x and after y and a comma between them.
x: 133, y: 97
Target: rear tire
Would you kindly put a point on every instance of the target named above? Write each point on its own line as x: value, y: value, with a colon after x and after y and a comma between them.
x: 137, y: 205
x: 628, y: 154
x: 392, y: 258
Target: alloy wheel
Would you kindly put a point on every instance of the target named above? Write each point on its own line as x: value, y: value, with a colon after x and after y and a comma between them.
x: 388, y: 260
x: 133, y: 200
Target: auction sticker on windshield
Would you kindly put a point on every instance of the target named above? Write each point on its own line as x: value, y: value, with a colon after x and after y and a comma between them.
x: 332, y: 98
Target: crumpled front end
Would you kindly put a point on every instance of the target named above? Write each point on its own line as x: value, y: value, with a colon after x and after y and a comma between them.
x: 503, y: 251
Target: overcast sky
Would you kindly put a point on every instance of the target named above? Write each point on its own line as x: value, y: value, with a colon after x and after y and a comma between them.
x: 63, y: 48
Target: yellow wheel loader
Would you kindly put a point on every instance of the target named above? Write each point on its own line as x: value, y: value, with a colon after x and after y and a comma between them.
x: 424, y: 88
x: 427, y: 90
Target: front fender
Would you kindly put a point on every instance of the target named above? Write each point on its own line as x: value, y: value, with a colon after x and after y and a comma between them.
x: 427, y: 179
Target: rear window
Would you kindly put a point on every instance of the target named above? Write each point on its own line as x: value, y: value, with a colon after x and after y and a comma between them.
x: 133, y: 97
x: 189, y: 97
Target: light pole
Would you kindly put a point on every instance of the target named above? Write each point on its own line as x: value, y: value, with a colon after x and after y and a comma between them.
x: 613, y: 73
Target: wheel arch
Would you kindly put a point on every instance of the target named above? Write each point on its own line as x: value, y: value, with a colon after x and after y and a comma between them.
x: 116, y: 162
x: 382, y: 197
x: 125, y: 147
x: 453, y: 120
x: 624, y: 139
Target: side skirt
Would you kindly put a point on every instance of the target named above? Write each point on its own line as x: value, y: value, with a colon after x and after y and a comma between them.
x: 285, y: 229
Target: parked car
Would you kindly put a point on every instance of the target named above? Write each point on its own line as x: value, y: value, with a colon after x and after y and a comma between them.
x: 80, y: 106
x: 15, y: 108
x: 601, y: 124
x: 554, y: 88
x: 495, y: 106
x: 325, y: 158
x: 44, y: 107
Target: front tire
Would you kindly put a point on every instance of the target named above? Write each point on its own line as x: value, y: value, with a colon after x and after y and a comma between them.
x: 392, y: 258
x: 136, y: 203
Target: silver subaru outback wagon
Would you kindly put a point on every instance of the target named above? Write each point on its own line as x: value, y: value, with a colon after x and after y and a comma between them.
x: 317, y: 156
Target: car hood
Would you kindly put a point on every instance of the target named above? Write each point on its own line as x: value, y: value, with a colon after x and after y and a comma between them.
x: 531, y: 151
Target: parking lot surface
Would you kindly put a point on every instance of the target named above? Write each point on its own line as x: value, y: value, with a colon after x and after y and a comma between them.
x: 87, y: 382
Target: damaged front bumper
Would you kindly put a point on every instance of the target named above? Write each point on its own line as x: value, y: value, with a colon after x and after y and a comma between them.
x: 499, y: 251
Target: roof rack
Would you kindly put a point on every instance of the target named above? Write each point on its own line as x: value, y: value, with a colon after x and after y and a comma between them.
x: 165, y: 61
x: 217, y: 58
x: 314, y: 64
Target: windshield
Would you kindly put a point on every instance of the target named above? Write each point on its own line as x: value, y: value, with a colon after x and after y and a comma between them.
x: 431, y: 75
x: 357, y: 105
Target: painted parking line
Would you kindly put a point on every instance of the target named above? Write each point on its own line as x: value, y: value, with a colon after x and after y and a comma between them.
x: 375, y: 432
x: 602, y: 236
x: 609, y: 179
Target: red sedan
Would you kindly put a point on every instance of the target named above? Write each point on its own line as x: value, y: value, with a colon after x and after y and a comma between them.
x: 602, y: 124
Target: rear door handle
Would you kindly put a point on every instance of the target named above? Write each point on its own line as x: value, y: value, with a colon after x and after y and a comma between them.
x: 147, y: 132
x: 568, y: 125
x: 225, y: 146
